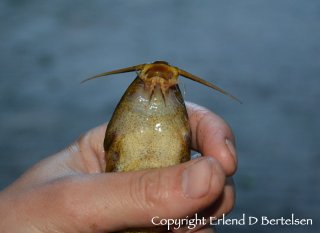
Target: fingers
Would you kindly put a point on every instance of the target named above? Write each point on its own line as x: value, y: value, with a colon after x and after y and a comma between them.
x: 90, y: 150
x: 116, y: 201
x: 220, y: 206
x: 212, y: 137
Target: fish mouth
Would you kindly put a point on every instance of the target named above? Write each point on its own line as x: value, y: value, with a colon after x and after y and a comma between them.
x: 159, y: 74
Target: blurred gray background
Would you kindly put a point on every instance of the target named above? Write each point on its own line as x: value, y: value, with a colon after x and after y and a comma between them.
x: 267, y: 53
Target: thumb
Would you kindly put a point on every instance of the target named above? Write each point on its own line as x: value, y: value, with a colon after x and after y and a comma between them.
x: 117, y: 201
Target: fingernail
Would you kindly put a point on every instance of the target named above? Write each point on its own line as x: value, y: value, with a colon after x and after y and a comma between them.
x: 231, y: 149
x: 196, y: 179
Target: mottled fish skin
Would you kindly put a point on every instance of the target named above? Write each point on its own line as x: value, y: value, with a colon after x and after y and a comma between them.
x: 147, y: 130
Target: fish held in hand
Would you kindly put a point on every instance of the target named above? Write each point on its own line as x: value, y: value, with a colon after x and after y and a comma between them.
x: 149, y: 127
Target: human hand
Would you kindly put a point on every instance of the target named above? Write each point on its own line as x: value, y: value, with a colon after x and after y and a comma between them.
x: 68, y: 192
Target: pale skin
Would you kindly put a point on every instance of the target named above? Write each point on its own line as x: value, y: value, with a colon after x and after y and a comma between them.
x: 69, y: 191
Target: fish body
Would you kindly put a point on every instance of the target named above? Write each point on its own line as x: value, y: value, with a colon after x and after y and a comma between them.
x: 147, y: 130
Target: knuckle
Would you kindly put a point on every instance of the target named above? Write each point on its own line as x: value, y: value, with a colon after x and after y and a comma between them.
x: 61, y: 195
x: 147, y: 191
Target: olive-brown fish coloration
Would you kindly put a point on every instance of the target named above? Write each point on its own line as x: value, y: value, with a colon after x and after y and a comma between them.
x: 149, y: 127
